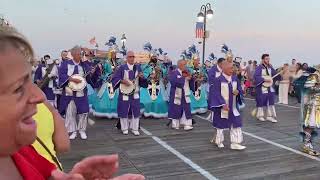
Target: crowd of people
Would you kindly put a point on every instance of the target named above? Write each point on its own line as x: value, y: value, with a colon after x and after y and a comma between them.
x: 83, y: 82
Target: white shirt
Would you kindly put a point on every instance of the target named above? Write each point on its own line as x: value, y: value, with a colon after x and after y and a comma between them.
x: 219, y: 69
x: 130, y: 66
x: 228, y: 78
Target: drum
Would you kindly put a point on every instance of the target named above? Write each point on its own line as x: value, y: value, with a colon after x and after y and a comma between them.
x: 80, y: 86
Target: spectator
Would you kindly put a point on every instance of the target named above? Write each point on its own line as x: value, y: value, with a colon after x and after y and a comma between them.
x: 292, y: 70
x: 248, y: 70
x: 284, y: 85
x: 298, y: 81
x: 51, y: 133
x: 293, y: 67
x: 18, y: 103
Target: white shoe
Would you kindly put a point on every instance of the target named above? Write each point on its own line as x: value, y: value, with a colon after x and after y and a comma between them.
x: 220, y: 145
x: 261, y: 119
x: 73, y: 135
x: 83, y: 135
x: 187, y: 128
x: 125, y: 132
x: 236, y: 146
x: 136, y: 133
x: 272, y: 119
x: 177, y: 128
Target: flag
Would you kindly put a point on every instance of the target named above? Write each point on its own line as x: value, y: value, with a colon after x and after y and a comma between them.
x: 199, y: 30
x: 92, y: 41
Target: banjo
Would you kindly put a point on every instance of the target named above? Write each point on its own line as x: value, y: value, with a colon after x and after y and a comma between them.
x: 269, y: 79
x: 128, y: 90
x: 79, y: 86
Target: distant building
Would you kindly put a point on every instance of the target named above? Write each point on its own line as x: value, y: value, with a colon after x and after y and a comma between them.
x: 142, y: 57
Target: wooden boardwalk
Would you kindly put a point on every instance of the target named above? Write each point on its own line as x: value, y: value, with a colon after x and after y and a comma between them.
x: 268, y: 155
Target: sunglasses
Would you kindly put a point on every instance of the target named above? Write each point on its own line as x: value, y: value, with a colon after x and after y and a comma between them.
x: 131, y: 56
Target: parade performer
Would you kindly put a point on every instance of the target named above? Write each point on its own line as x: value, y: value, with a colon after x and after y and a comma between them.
x: 224, y: 105
x: 264, y: 77
x: 179, y: 105
x: 58, y: 91
x: 208, y: 65
x: 73, y: 76
x: 214, y: 73
x: 129, y: 78
x: 152, y: 97
x: 199, y: 102
x: 165, y: 64
x: 310, y: 112
x: 105, y: 105
x: 45, y: 77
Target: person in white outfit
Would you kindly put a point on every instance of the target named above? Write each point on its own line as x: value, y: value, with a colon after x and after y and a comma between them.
x: 284, y: 85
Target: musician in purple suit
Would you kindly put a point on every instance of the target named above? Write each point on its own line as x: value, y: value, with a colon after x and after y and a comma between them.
x: 265, y: 96
x: 45, y: 76
x: 74, y: 103
x: 179, y: 110
x: 214, y: 73
x: 129, y: 78
x: 224, y: 105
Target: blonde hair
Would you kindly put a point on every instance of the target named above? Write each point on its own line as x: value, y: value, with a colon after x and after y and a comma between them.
x: 11, y: 38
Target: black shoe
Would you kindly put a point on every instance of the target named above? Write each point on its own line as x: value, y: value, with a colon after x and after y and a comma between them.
x: 118, y: 125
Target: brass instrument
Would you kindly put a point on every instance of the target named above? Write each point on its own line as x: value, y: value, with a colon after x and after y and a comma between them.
x: 155, y: 82
x: 46, y: 79
x: 198, y: 76
x: 157, y: 74
x: 114, y: 67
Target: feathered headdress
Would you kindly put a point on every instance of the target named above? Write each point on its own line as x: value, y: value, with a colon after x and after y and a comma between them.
x: 183, y: 54
x: 112, y: 45
x: 186, y: 55
x: 161, y: 54
x: 212, y: 57
x: 227, y: 51
x: 154, y: 52
x: 194, y: 52
x: 192, y: 49
x: 160, y: 51
x: 147, y: 47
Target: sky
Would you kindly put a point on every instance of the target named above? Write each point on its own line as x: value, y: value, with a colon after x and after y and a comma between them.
x: 285, y: 29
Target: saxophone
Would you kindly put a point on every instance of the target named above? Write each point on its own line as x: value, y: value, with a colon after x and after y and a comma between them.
x: 46, y: 79
x: 114, y: 67
x: 155, y: 81
x: 198, y: 76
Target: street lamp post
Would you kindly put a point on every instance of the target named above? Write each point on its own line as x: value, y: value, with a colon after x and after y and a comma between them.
x: 205, y: 13
x: 123, y: 40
